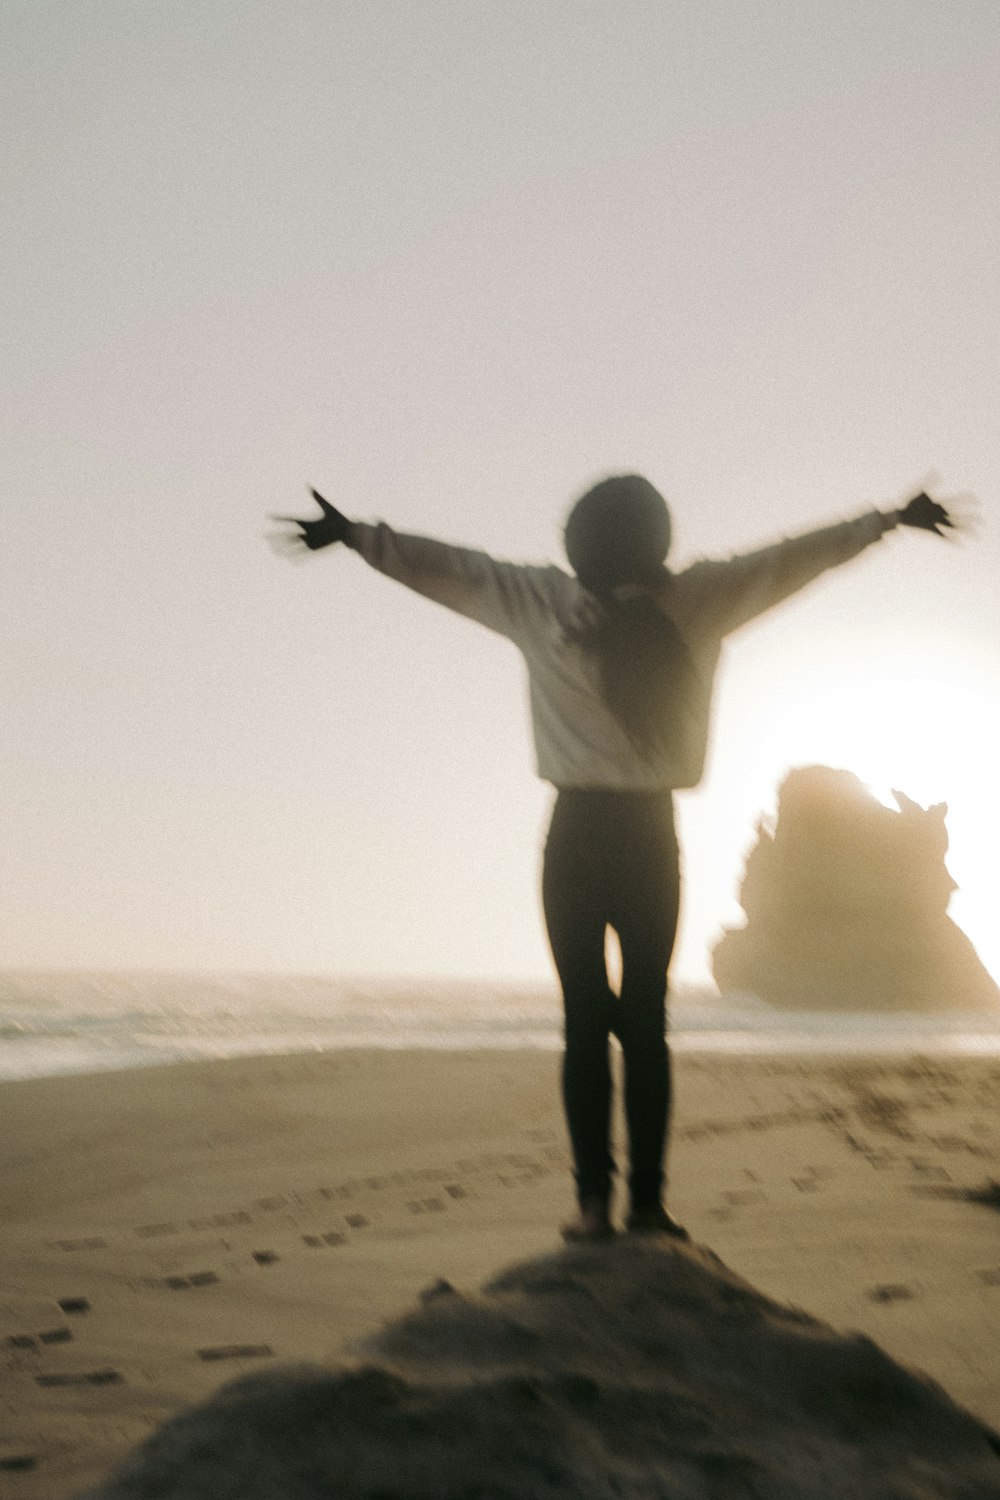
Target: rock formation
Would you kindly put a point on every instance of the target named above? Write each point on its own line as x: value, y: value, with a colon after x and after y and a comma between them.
x: 846, y: 904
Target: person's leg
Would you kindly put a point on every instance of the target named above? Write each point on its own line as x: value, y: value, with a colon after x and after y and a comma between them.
x: 576, y: 921
x: 646, y: 922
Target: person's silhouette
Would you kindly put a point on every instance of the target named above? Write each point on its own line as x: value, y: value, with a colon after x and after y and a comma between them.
x: 621, y: 660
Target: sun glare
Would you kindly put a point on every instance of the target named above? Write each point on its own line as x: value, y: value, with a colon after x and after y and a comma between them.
x: 928, y: 732
x: 928, y: 728
x: 910, y: 713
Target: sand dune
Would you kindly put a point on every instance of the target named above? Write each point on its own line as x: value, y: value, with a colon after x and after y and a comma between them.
x: 627, y: 1369
x: 167, y: 1230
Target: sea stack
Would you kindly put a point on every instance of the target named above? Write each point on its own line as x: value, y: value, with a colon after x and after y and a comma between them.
x: 846, y: 906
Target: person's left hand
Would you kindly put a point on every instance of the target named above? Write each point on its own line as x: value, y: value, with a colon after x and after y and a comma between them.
x: 926, y: 515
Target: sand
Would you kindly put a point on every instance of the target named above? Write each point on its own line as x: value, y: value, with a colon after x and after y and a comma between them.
x: 165, y: 1231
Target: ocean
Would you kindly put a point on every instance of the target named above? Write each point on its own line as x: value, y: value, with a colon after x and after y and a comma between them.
x: 88, y: 1021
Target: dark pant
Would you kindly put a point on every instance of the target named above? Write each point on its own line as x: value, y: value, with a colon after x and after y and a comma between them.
x: 611, y: 861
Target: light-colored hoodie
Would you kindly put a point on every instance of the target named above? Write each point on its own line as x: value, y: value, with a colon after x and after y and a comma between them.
x: 544, y: 611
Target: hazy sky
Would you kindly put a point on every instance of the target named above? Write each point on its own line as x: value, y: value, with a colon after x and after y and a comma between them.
x: 451, y: 261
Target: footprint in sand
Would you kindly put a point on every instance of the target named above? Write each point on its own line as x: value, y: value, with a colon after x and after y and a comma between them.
x: 356, y: 1221
x: 32, y: 1340
x: 73, y: 1305
x: 959, y: 1143
x: 812, y: 1179
x: 220, y: 1221
x: 56, y: 1336
x: 89, y: 1377
x: 266, y: 1257
x: 197, y: 1278
x: 927, y: 1169
x: 890, y: 1292
x: 317, y: 1241
x: 18, y: 1463
x: 990, y: 1277
x: 236, y: 1351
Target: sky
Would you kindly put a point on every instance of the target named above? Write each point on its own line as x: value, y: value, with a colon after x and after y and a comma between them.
x: 451, y: 262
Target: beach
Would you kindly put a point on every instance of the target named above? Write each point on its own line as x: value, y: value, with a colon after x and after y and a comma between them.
x: 168, y: 1229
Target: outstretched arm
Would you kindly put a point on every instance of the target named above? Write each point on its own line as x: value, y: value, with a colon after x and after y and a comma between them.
x: 505, y: 597
x: 743, y: 587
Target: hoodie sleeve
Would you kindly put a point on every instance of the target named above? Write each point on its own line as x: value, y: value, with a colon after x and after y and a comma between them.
x: 740, y: 588
x: 509, y: 598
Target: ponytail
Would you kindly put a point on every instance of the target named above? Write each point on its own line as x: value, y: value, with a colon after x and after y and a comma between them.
x: 618, y: 535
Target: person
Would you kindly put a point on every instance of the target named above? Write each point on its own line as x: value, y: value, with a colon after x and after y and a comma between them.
x: 621, y: 657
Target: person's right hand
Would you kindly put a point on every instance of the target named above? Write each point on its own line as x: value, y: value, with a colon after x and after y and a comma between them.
x: 331, y: 526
